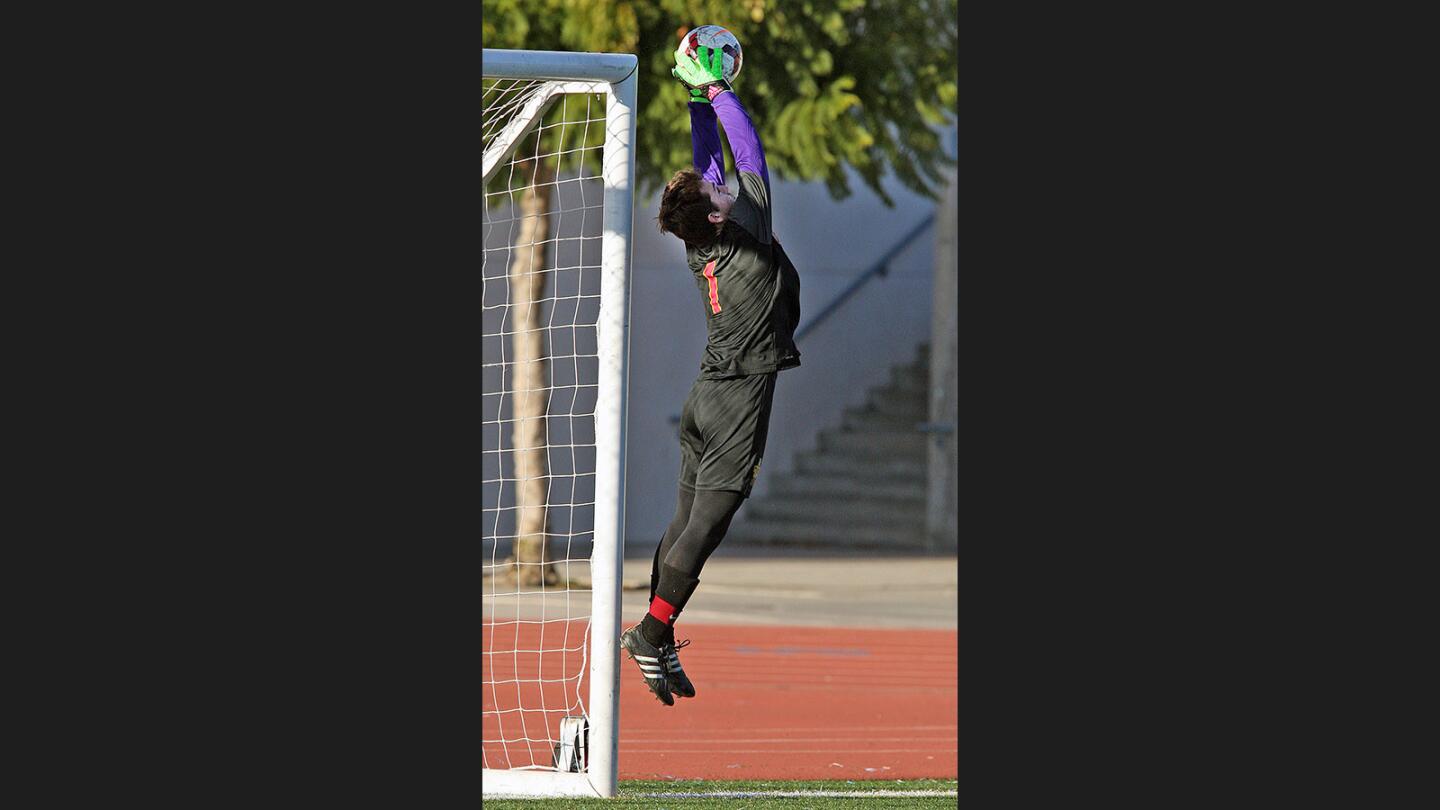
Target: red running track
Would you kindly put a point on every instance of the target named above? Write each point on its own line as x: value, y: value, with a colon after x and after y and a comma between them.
x: 771, y: 703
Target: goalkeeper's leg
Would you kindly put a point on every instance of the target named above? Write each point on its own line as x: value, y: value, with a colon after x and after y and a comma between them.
x: 710, y: 514
x: 719, y: 462
x: 672, y: 533
x: 654, y: 656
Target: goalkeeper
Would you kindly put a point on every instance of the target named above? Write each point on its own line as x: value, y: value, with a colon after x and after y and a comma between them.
x: 751, y: 297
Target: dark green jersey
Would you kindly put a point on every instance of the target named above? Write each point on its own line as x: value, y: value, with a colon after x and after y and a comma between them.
x: 750, y: 290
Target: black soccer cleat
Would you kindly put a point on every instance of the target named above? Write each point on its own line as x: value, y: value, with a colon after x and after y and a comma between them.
x: 679, y: 684
x: 650, y: 659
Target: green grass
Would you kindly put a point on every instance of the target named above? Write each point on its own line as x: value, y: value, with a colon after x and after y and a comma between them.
x: 642, y: 794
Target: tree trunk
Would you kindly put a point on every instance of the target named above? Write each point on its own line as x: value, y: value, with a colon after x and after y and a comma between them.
x: 533, y: 561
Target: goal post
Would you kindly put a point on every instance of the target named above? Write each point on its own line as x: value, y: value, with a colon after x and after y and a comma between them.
x: 543, y: 642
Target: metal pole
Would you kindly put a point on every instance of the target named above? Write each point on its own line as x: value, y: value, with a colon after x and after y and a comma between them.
x: 617, y: 171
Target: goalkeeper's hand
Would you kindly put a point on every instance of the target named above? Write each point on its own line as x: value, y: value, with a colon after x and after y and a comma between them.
x: 704, y: 75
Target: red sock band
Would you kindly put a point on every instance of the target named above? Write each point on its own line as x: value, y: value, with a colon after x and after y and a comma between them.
x: 663, y: 611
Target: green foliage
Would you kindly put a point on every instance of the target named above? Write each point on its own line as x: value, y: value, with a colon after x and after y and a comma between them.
x: 829, y: 83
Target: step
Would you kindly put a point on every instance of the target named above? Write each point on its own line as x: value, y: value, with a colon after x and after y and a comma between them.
x: 865, y: 469
x: 816, y: 485
x: 887, y: 444
x: 899, y: 404
x: 864, y: 419
x: 919, y: 389
x: 791, y: 533
x: 910, y: 379
x: 841, y: 513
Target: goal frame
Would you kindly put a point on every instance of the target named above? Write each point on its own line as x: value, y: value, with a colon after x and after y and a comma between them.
x: 615, y: 75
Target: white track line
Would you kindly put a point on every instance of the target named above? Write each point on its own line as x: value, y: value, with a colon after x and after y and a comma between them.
x: 772, y: 753
x: 797, y: 794
x: 786, y: 740
x: 856, y: 728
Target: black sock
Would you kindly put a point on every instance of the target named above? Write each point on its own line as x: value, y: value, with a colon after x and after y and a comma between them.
x: 655, y: 631
x: 676, y: 586
x: 673, y: 591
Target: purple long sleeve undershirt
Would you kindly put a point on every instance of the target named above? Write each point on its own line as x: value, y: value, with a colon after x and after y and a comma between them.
x: 705, y: 143
x: 744, y: 141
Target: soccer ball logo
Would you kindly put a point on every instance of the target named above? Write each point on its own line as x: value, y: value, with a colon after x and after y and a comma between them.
x: 713, y: 36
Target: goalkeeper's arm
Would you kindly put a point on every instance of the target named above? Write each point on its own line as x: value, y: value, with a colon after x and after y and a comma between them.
x: 712, y: 97
x: 705, y: 143
x: 704, y: 75
x: 740, y: 132
x: 752, y: 205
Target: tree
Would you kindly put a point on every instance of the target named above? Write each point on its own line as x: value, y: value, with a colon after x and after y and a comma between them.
x: 830, y: 84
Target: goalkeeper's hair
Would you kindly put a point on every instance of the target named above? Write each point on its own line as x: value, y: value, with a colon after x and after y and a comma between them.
x: 685, y: 209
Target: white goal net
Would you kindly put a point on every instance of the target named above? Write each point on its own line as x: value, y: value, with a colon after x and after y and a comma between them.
x: 558, y: 177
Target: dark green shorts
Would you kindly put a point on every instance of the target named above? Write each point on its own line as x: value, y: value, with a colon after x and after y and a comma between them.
x: 722, y: 432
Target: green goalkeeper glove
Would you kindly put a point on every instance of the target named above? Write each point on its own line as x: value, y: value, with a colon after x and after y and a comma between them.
x: 705, y: 74
x: 694, y: 94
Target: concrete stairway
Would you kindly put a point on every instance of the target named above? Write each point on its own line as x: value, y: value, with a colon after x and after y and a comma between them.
x: 863, y: 486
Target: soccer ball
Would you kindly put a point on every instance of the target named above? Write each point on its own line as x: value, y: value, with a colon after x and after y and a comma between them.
x: 713, y: 36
